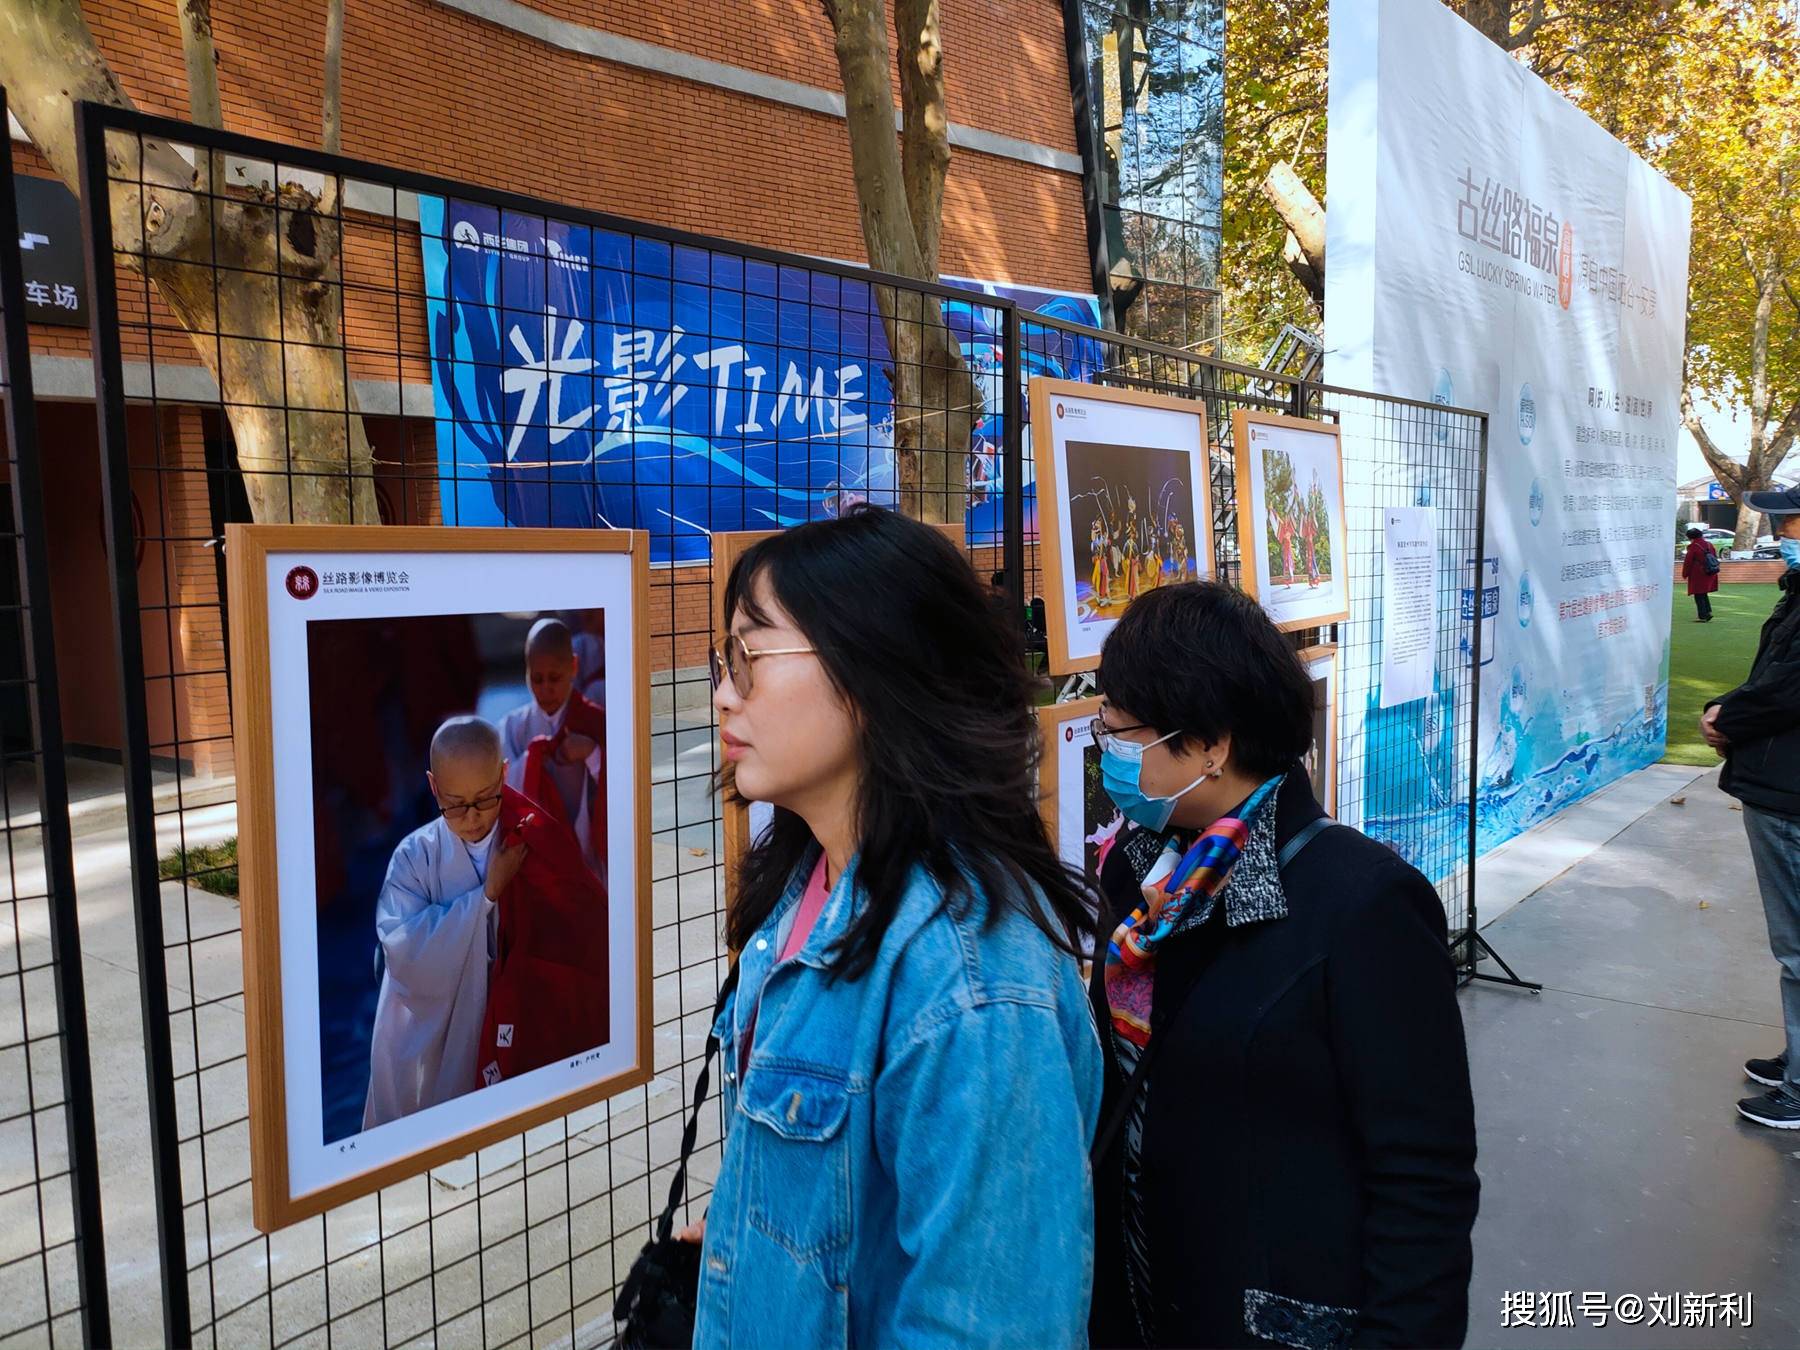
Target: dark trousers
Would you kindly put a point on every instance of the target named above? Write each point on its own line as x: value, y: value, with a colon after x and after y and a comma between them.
x: 1703, y: 603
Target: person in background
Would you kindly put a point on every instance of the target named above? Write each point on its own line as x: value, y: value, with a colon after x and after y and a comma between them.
x: 1288, y: 1147
x: 552, y: 741
x: 911, y: 1073
x: 1756, y: 727
x: 1702, y: 578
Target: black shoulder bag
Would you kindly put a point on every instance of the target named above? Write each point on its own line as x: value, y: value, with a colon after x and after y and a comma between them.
x: 655, y: 1307
x: 1115, y: 1122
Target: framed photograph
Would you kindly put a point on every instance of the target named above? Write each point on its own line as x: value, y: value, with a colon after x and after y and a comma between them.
x: 443, y: 762
x: 1123, y: 506
x: 742, y: 824
x: 1082, y: 819
x: 1290, y: 492
x: 1321, y: 762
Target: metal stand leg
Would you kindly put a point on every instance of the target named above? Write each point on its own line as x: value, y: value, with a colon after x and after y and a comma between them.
x: 1510, y: 978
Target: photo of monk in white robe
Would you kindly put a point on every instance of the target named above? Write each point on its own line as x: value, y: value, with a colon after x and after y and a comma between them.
x: 493, y: 939
x: 435, y: 922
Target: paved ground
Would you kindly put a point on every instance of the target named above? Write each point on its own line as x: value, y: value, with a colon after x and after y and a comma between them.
x: 600, y: 1157
x: 1611, y: 1158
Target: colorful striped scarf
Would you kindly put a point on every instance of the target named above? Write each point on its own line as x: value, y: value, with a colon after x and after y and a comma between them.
x: 1198, y: 872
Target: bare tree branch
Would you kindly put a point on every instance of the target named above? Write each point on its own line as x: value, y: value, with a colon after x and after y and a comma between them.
x: 331, y: 134
x: 1534, y: 23
x: 1783, y: 439
x: 202, y: 62
x: 925, y: 123
x: 1728, y: 471
x: 249, y: 273
x: 1305, y: 218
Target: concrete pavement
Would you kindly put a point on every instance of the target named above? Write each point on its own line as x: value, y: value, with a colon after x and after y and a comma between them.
x: 1611, y: 1159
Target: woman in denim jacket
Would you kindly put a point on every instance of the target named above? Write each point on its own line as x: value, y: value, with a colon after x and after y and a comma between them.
x: 912, y: 1075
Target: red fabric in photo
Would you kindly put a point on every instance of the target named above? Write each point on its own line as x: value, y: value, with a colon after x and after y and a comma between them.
x: 583, y: 717
x: 548, y: 989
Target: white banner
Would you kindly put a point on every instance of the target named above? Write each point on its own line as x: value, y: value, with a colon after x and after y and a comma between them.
x: 1492, y: 248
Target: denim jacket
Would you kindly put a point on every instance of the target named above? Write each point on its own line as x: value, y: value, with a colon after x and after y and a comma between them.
x: 906, y: 1153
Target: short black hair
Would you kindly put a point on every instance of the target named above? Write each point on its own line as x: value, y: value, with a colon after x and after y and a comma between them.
x: 1201, y: 659
x: 1695, y: 529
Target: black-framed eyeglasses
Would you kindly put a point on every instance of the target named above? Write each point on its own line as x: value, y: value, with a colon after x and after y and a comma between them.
x: 1099, y: 731
x: 461, y: 809
x: 730, y: 657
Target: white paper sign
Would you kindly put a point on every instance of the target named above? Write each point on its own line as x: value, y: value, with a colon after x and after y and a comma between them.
x: 1409, y: 607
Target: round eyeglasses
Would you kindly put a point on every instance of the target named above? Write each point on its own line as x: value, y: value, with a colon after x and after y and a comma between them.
x: 730, y: 658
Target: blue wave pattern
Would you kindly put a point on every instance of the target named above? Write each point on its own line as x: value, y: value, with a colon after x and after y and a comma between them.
x: 1412, y: 775
x: 592, y: 377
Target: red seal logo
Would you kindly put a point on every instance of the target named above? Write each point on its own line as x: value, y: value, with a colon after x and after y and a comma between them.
x: 303, y: 583
x: 1059, y: 410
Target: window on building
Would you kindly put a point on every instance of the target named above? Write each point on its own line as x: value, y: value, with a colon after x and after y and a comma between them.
x: 1157, y: 102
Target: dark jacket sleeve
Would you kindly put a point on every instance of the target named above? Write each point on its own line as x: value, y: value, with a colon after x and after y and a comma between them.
x: 1768, y: 703
x: 1398, y: 1040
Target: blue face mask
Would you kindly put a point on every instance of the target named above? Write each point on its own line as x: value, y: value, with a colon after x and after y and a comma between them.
x: 1121, y: 773
x: 1790, y: 551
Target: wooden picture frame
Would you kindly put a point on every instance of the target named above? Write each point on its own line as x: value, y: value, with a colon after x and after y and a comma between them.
x: 1142, y: 438
x: 1312, y: 606
x: 1062, y: 731
x: 272, y: 703
x: 736, y: 827
x: 1321, y: 664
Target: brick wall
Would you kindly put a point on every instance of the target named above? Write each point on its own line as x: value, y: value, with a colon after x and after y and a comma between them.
x: 430, y: 89
x: 1765, y: 572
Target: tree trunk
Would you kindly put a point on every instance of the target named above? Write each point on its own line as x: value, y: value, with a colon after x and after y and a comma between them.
x: 331, y: 133
x: 899, y: 197
x: 1305, y: 218
x: 271, y: 342
x: 1491, y: 18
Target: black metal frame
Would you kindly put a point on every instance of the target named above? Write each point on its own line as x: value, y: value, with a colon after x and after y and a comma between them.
x: 1130, y: 362
x: 51, y: 773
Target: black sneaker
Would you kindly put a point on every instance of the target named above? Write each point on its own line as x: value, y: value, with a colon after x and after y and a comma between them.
x: 1775, y: 1109
x: 1768, y: 1072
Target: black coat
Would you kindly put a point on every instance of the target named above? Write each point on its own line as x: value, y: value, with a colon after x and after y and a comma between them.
x: 1761, y: 717
x: 1309, y: 1139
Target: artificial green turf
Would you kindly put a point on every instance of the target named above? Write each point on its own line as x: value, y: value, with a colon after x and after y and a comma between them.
x: 1706, y: 659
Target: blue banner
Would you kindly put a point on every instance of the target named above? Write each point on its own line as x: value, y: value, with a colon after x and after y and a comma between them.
x: 591, y: 377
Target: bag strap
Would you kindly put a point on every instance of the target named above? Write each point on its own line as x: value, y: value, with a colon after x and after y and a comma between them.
x: 1104, y: 1140
x: 678, y: 1183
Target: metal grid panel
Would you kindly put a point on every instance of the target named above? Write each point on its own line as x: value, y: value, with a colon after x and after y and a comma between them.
x: 52, y: 1262
x: 1409, y: 769
x: 526, y: 1242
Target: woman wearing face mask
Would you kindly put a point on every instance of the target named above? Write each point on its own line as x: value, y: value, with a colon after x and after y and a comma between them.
x: 912, y: 1075
x: 1288, y: 1144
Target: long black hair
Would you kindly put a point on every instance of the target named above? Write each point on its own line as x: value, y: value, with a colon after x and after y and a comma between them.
x: 947, y: 742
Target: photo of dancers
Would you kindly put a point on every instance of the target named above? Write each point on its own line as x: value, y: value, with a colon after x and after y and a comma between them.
x: 1290, y: 492
x: 1124, y: 506
x: 1299, y: 530
x: 1134, y: 509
